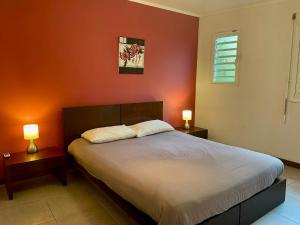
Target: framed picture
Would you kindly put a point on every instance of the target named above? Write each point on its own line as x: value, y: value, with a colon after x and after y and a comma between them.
x: 131, y: 55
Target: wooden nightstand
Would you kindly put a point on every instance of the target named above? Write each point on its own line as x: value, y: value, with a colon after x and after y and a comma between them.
x: 22, y: 165
x: 195, y: 131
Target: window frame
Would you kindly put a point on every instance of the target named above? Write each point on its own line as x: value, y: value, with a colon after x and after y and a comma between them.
x: 225, y: 34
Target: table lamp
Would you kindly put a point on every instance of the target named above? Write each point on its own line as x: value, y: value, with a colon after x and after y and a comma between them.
x: 187, y: 115
x: 31, y: 132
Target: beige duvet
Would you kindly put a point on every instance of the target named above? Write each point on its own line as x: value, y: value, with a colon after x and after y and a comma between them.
x: 175, y: 178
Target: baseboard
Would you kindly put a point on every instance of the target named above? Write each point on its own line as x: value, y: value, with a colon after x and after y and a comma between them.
x: 291, y: 163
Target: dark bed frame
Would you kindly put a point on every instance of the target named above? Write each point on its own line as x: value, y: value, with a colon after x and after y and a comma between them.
x: 79, y: 119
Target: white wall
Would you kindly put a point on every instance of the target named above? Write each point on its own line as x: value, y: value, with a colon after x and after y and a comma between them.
x: 250, y: 115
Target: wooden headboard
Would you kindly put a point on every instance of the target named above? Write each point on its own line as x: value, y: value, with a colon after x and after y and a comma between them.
x: 76, y: 120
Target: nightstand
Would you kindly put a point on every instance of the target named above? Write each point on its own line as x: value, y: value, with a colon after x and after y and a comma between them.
x: 195, y: 131
x: 22, y: 165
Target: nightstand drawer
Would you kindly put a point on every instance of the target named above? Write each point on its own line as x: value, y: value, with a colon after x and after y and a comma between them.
x: 201, y: 134
x: 36, y: 168
x: 195, y: 131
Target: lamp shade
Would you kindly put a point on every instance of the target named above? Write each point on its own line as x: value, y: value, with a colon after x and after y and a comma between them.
x: 187, y: 114
x: 31, y: 131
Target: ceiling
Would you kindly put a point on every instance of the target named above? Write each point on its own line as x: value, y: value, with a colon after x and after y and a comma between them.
x: 200, y: 7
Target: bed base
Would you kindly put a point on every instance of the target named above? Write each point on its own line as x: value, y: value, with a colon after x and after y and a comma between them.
x: 244, y: 213
x: 79, y: 119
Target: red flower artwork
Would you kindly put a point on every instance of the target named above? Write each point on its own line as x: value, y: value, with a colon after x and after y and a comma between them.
x: 131, y: 53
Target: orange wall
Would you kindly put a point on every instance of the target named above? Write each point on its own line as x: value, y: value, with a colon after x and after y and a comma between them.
x: 58, y: 53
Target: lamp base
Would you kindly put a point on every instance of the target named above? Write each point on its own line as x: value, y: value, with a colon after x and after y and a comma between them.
x: 32, y: 148
x: 187, y: 125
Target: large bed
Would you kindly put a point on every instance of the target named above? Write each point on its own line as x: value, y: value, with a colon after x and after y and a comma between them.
x: 172, y: 178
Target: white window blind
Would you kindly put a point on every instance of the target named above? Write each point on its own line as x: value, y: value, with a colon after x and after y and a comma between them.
x: 225, y: 58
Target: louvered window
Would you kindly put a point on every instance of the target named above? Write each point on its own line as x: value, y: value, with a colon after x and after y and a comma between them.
x: 225, y: 58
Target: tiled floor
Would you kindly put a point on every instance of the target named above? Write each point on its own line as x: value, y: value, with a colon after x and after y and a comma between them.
x: 44, y: 201
x: 289, y: 212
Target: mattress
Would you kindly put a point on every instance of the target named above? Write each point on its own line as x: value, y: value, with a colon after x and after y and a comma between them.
x: 175, y: 178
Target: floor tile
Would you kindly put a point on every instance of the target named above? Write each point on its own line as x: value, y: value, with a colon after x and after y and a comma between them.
x: 114, y: 209
x: 95, y: 216
x: 26, y: 214
x: 31, y: 190
x: 291, y: 173
x: 290, y: 209
x: 293, y: 189
x: 68, y: 204
x: 53, y: 222
x: 290, y: 181
x: 274, y: 219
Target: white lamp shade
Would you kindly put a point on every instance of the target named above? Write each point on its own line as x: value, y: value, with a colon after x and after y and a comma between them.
x: 31, y: 131
x: 187, y: 114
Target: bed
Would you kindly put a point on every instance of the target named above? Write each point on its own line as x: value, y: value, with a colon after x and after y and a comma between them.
x: 173, y: 178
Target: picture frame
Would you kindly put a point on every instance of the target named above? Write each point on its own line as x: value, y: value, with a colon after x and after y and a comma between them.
x: 131, y: 55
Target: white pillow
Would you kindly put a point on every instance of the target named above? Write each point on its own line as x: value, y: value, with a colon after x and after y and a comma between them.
x: 107, y: 134
x: 151, y: 127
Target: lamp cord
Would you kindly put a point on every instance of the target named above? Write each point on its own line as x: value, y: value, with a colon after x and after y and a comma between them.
x: 286, y: 100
